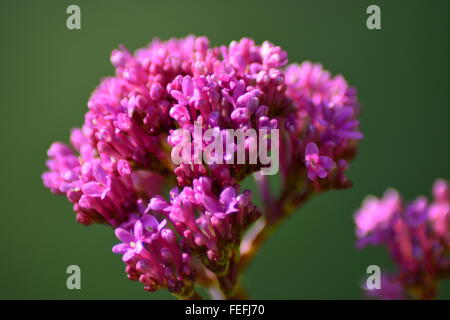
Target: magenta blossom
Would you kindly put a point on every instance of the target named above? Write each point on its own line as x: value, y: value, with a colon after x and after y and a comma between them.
x: 156, y: 257
x: 133, y: 245
x: 119, y: 162
x: 318, y: 166
x: 209, y: 223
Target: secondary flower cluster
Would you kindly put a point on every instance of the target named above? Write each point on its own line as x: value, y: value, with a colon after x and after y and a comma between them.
x: 417, y: 236
x: 324, y: 128
x: 119, y: 166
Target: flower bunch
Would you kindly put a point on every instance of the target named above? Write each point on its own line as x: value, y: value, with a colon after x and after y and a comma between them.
x: 417, y: 236
x: 119, y: 168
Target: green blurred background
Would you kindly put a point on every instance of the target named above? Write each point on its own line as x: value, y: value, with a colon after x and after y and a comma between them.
x: 48, y: 72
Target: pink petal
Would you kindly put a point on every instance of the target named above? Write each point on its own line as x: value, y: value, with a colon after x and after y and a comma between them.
x: 124, y: 235
x: 187, y: 86
x: 311, y: 151
x: 326, y: 162
x: 138, y: 230
x: 149, y: 221
x: 311, y: 175
x: 211, y: 204
x: 321, y: 173
x: 93, y: 189
x: 120, y: 248
x: 157, y: 203
x: 162, y: 225
x: 139, y: 247
x: 177, y: 95
x: 99, y: 173
x: 227, y: 195
x: 128, y: 256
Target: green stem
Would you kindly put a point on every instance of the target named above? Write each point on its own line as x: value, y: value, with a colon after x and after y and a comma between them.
x: 287, y: 203
x: 193, y: 296
x: 239, y: 293
x: 229, y: 280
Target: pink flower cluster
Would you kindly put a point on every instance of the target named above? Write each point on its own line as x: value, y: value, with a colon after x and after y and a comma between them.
x: 417, y: 236
x: 119, y: 166
x: 324, y: 128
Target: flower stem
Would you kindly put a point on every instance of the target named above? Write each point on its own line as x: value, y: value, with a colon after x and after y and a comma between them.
x: 229, y: 280
x: 239, y: 293
x: 252, y: 242
x: 287, y: 203
x: 193, y: 296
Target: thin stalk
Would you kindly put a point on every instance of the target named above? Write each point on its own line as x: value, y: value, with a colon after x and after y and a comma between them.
x: 274, y: 215
x: 193, y: 296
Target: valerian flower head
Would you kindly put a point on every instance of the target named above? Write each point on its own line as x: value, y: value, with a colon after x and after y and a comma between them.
x: 120, y: 161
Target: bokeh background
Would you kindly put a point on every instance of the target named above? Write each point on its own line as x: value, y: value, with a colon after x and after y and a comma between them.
x: 48, y: 72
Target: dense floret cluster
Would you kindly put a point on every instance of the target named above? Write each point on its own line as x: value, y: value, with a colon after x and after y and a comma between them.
x: 118, y: 169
